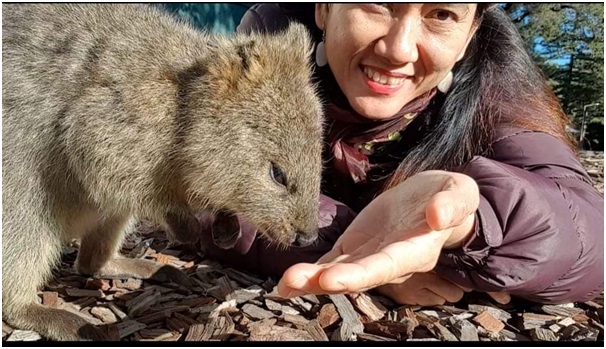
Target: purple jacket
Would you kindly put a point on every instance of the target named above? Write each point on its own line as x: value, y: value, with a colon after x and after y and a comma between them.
x: 540, y: 222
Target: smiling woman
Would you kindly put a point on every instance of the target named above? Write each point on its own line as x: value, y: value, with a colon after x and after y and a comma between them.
x: 447, y: 164
x: 384, y: 56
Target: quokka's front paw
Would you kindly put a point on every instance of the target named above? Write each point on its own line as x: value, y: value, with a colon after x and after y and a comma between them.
x: 120, y: 268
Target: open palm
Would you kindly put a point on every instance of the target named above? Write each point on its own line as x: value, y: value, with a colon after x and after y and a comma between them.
x: 399, y: 233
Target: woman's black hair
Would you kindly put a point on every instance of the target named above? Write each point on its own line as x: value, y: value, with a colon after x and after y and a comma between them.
x: 495, y: 83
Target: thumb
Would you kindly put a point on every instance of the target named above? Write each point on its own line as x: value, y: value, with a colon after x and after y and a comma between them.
x: 459, y: 198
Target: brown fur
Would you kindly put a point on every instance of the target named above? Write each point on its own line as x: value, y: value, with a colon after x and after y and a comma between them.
x: 114, y: 113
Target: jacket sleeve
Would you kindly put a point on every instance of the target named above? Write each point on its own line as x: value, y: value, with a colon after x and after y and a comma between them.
x: 539, y: 226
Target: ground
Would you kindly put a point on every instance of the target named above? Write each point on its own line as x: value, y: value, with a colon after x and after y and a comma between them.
x: 230, y: 305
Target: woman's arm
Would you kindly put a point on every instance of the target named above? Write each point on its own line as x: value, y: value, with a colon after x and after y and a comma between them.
x: 539, y: 224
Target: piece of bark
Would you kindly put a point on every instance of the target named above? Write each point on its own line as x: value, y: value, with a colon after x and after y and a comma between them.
x: 224, y: 328
x: 243, y: 295
x: 560, y: 310
x: 273, y: 306
x: 289, y: 310
x: 98, y: 284
x: 542, y: 334
x: 311, y: 298
x: 343, y: 333
x: 129, y: 327
x: 198, y: 301
x: 500, y: 314
x: 531, y: 320
x: 79, y: 292
x: 176, y: 325
x: 130, y: 284
x: 84, y: 302
x: 261, y: 332
x: 50, y: 299
x: 390, y: 329
x: 104, y: 314
x: 225, y: 288
x: 119, y: 313
x: 347, y: 313
x: 242, y: 278
x: 328, y: 315
x: 566, y: 322
x: 295, y: 319
x: 195, y: 333
x: 255, y: 312
x: 368, y: 306
x: 373, y: 338
x: 142, y: 304
x: 6, y: 329
x: 301, y: 303
x: 23, y: 336
x: 489, y: 322
x: 581, y: 318
x: 442, y: 332
x: 315, y: 330
x: 464, y: 330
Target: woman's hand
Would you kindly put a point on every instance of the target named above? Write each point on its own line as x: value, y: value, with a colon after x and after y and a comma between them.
x: 398, y: 234
x: 424, y: 289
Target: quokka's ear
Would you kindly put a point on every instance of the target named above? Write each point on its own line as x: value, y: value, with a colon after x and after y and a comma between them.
x: 300, y: 39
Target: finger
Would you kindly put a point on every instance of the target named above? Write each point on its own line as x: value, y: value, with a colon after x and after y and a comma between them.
x: 300, y: 279
x: 451, y: 206
x: 500, y: 297
x: 443, y: 288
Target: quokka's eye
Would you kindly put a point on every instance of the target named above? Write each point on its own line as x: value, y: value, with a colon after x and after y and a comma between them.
x: 278, y: 175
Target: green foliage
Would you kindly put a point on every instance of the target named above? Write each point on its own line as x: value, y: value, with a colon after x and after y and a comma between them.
x: 567, y: 41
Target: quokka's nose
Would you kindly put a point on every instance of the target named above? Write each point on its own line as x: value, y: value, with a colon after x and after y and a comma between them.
x: 304, y: 239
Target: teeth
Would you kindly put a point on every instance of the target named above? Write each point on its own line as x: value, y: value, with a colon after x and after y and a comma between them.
x: 382, y: 79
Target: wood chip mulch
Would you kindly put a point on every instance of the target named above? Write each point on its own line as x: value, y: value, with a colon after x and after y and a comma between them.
x: 230, y: 305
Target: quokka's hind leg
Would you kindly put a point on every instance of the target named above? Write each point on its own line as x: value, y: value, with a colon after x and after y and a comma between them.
x: 29, y: 254
x: 99, y: 256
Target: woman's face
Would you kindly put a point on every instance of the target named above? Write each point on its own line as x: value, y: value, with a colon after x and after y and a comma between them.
x: 385, y: 55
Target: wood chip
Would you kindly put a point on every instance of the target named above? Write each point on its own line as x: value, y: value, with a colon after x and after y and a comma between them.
x: 328, y: 315
x: 104, y: 314
x: 343, y: 333
x: 464, y: 330
x: 6, y: 329
x: 347, y: 313
x: 98, y: 284
x: 442, y: 333
x: 373, y: 338
x: 242, y: 278
x: 311, y: 298
x: 25, y: 336
x: 273, y: 306
x: 390, y: 329
x: 295, y: 319
x: 500, y: 314
x: 541, y: 334
x: 531, y: 320
x: 50, y: 299
x: 301, y: 303
x: 129, y: 284
x: 140, y: 305
x: 119, y: 313
x: 581, y: 318
x: 195, y: 333
x: 368, y: 306
x: 78, y: 292
x: 489, y: 322
x: 560, y: 310
x: 257, y: 313
x: 129, y: 327
x: 278, y: 333
x: 316, y: 331
x: 243, y: 295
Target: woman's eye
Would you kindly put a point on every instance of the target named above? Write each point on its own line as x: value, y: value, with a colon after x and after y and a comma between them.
x: 278, y: 175
x: 443, y: 15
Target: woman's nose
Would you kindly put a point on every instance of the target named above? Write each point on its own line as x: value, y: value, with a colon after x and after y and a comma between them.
x: 399, y: 44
